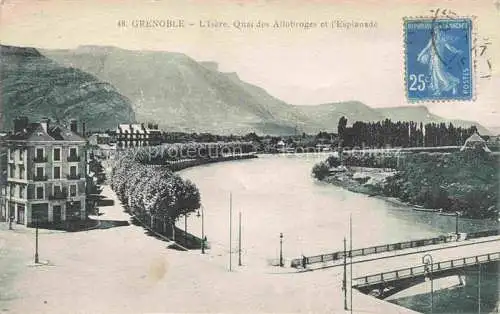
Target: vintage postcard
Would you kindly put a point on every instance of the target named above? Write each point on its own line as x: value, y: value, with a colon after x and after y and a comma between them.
x: 168, y: 156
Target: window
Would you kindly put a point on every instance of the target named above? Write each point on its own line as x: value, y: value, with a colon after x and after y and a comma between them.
x: 11, y: 154
x: 57, y: 172
x: 21, y: 172
x: 12, y: 170
x: 57, y: 154
x: 39, y: 172
x: 21, y: 155
x: 21, y: 191
x: 72, y: 171
x: 39, y: 153
x: 57, y: 190
x: 73, y: 152
x: 72, y: 190
x: 12, y: 190
x: 39, y: 192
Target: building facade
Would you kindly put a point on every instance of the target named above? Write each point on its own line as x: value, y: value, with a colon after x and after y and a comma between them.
x: 137, y: 135
x: 46, y: 170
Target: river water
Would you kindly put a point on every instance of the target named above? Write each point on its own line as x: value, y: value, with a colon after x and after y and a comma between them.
x: 277, y: 194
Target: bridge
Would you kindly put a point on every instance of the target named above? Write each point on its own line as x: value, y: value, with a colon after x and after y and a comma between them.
x: 387, y: 269
x: 389, y: 283
x: 339, y: 255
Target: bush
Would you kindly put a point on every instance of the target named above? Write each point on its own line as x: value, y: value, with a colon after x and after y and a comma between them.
x: 321, y: 170
x: 333, y: 161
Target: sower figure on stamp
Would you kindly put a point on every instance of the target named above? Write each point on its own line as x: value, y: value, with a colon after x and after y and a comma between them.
x: 433, y: 55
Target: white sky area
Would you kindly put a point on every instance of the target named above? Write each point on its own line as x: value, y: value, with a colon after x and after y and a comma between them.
x: 298, y: 66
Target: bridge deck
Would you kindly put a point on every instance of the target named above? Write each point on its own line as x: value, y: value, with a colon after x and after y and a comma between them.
x: 388, y: 261
x: 339, y: 255
x: 433, y: 269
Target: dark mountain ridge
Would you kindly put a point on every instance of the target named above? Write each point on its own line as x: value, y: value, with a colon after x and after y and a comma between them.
x: 38, y: 87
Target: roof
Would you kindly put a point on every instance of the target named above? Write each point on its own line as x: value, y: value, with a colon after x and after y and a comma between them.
x: 136, y: 128
x: 475, y: 138
x: 131, y: 128
x: 35, y: 132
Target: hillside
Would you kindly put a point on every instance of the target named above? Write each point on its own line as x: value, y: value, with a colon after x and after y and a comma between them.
x: 181, y: 94
x: 36, y: 86
x: 326, y: 116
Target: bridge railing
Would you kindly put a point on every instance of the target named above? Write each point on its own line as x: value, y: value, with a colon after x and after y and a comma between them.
x: 388, y: 248
x: 422, y: 270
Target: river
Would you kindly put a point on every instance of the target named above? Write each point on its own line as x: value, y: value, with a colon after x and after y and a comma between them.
x: 277, y: 194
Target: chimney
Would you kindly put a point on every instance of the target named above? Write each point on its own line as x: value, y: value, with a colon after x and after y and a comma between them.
x: 44, y: 122
x: 83, y: 129
x: 73, y: 126
x: 20, y: 123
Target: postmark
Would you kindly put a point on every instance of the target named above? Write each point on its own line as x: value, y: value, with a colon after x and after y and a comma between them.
x: 438, y: 59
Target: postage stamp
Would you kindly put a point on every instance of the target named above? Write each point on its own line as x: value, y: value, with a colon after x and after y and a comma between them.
x: 438, y: 60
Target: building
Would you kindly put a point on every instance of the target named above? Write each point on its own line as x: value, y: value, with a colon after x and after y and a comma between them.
x: 99, y: 138
x: 475, y: 142
x: 137, y: 135
x: 46, y: 169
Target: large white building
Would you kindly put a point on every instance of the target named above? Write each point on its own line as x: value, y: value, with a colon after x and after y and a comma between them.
x: 137, y: 135
x: 46, y: 170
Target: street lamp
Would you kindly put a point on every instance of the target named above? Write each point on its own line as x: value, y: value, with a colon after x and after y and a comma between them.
x: 456, y: 224
x: 203, y: 238
x: 426, y: 260
x: 281, y: 249
x: 36, y: 242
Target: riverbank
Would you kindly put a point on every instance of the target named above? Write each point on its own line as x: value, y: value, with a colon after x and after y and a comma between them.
x: 362, y: 180
x: 368, y: 181
x: 464, y: 182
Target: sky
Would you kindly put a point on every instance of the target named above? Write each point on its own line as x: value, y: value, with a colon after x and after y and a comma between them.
x: 300, y: 66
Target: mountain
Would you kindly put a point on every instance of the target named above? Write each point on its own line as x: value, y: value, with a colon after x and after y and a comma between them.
x: 181, y: 94
x: 422, y: 114
x: 37, y: 87
x: 326, y: 116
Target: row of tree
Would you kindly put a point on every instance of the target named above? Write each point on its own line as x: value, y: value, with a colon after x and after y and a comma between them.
x: 153, y: 190
x: 401, y: 134
x: 167, y: 153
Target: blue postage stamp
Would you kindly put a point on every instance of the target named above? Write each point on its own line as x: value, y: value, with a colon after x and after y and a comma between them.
x: 438, y: 59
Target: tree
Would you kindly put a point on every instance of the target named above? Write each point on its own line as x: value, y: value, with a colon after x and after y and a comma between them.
x: 321, y: 170
x: 342, y: 126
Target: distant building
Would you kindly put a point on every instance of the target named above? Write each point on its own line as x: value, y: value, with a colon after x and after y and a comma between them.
x: 137, y: 135
x: 46, y: 170
x: 475, y: 142
x: 99, y: 138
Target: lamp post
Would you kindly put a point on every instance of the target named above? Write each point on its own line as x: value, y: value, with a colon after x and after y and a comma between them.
x: 281, y: 249
x: 456, y: 224
x: 36, y: 241
x: 344, y: 281
x: 202, y: 228
x: 426, y: 260
x: 239, y: 241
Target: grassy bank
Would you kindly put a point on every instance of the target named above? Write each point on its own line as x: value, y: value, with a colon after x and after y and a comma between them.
x: 465, y: 182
